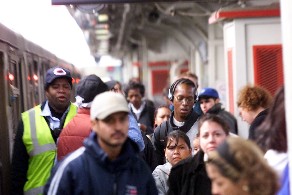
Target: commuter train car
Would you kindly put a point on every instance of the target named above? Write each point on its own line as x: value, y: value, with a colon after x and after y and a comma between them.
x: 23, y: 65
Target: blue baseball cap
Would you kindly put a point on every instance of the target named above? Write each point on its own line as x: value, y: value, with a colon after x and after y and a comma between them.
x: 208, y: 93
x: 55, y: 73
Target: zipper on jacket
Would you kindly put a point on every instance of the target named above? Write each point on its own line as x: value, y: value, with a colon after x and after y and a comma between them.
x: 115, y: 192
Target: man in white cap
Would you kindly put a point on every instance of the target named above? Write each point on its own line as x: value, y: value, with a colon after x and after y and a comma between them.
x: 109, y: 162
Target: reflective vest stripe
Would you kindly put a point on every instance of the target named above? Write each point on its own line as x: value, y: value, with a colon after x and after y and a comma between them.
x: 37, y: 148
x: 41, y: 148
x: 35, y: 191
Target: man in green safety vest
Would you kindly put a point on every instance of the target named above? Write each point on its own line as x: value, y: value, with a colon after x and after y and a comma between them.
x: 34, y: 148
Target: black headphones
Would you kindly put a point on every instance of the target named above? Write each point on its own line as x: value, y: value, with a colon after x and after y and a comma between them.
x: 175, y: 84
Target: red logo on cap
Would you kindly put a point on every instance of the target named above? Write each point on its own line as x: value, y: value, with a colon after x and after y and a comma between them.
x: 59, y: 71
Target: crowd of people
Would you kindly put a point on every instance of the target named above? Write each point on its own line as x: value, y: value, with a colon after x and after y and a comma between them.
x: 113, y: 140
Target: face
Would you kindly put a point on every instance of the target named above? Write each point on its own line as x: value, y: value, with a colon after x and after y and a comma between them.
x: 196, y: 145
x: 246, y: 115
x: 222, y: 185
x: 176, y: 152
x: 117, y: 88
x: 135, y: 97
x: 112, y: 131
x: 58, y: 94
x: 162, y: 115
x: 206, y: 104
x: 211, y: 135
x: 183, y: 101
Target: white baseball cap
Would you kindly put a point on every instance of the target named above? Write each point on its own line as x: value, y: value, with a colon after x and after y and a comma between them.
x: 106, y: 104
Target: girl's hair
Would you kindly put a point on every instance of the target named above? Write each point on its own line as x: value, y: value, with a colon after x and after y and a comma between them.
x: 271, y: 134
x: 176, y: 135
x: 214, y: 118
x: 254, y: 97
x: 240, y: 160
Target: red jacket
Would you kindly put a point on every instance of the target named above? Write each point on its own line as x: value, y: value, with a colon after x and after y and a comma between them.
x: 72, y: 136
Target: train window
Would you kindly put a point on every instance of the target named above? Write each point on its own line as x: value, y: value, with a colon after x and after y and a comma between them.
x: 33, y: 86
x: 13, y: 93
x: 13, y: 81
x: 35, y: 83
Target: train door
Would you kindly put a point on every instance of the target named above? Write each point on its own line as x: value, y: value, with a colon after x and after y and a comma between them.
x: 10, y: 108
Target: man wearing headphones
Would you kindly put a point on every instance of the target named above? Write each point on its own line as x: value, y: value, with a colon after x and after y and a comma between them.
x: 183, y: 117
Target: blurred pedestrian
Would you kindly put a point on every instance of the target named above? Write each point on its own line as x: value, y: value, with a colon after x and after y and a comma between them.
x: 210, y: 103
x: 161, y: 114
x: 178, y: 147
x: 134, y: 132
x: 253, y: 103
x: 72, y: 136
x: 237, y: 166
x: 196, y: 145
x: 115, y: 86
x: 108, y: 163
x: 189, y: 176
x: 182, y: 94
x: 272, y: 134
x: 141, y: 109
x: 34, y: 148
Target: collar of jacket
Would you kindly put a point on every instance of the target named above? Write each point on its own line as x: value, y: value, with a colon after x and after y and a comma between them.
x: 191, y: 119
x: 215, y: 109
x: 130, y: 149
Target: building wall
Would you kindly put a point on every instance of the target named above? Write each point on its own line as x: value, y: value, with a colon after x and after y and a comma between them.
x: 240, y: 35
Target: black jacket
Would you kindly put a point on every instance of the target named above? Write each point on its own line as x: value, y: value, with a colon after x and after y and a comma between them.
x: 148, y: 154
x: 146, y: 117
x: 255, y: 123
x: 227, y: 116
x: 189, y: 177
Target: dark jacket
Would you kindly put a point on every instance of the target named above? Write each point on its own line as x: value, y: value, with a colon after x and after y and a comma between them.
x: 149, y: 154
x: 189, y: 177
x: 227, y: 116
x: 146, y: 117
x: 165, y: 128
x: 255, y: 123
x: 88, y: 170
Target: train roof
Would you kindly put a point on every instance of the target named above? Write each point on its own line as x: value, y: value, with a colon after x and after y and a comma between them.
x: 17, y: 41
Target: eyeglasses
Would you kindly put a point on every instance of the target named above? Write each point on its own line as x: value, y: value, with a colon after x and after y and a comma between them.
x: 187, y: 99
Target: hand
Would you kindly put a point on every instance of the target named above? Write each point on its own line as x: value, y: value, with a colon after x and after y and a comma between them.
x: 142, y: 127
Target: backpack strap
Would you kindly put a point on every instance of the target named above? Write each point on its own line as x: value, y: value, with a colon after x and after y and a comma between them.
x: 164, y: 130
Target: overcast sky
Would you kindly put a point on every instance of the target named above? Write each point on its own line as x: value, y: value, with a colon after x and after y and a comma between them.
x: 51, y: 27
